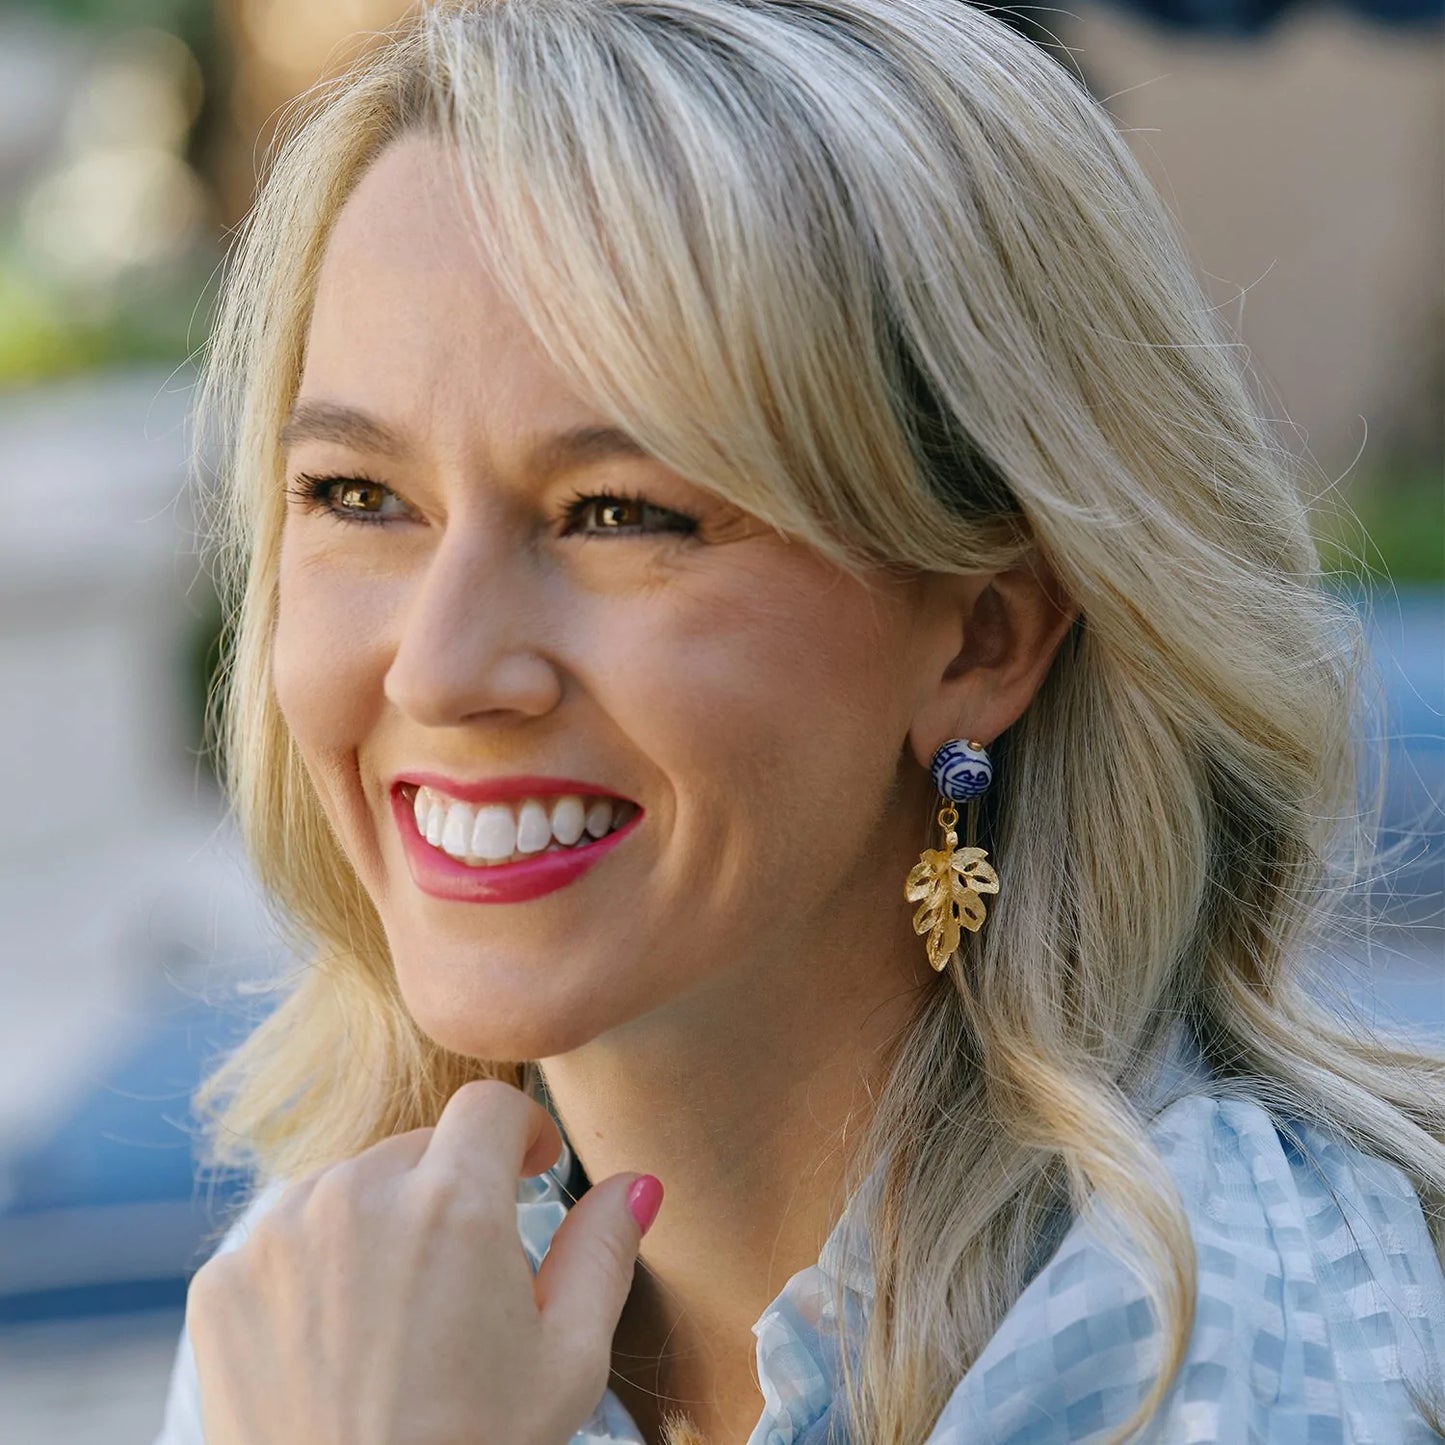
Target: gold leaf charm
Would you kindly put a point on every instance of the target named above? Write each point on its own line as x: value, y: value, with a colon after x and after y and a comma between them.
x: 949, y: 880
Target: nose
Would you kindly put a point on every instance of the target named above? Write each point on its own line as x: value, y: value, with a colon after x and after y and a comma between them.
x: 469, y: 640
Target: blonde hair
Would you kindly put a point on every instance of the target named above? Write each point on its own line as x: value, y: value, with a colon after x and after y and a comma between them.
x: 883, y: 274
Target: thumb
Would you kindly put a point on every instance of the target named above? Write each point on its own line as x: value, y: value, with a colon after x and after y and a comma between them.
x: 584, y: 1278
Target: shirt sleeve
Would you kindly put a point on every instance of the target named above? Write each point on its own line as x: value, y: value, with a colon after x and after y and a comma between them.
x: 1320, y: 1297
x: 182, y: 1422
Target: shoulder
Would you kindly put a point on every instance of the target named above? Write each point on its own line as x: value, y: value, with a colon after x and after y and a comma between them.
x: 182, y: 1421
x: 1320, y: 1295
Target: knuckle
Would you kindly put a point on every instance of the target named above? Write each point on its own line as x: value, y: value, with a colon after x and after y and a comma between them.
x: 489, y: 1096
x: 213, y: 1288
x: 265, y: 1252
x: 441, y: 1201
x: 208, y: 1282
x: 335, y: 1195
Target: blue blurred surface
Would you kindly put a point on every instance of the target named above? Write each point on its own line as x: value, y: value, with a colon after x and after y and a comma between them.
x: 1407, y: 640
x: 107, y: 1215
x: 1246, y: 18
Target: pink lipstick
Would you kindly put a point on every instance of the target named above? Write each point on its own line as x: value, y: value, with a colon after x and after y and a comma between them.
x: 438, y: 874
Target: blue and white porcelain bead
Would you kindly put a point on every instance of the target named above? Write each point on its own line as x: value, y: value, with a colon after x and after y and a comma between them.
x: 961, y: 771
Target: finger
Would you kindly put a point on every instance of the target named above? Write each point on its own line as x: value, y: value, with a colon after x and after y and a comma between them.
x: 289, y: 1203
x: 489, y: 1135
x: 390, y: 1157
x: 385, y: 1160
x: 586, y: 1274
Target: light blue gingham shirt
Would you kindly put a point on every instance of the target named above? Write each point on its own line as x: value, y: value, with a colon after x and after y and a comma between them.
x: 1320, y: 1296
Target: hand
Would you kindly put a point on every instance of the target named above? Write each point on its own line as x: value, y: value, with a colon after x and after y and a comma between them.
x: 387, y: 1300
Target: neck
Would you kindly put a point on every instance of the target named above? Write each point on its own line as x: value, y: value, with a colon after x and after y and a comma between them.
x: 739, y: 1100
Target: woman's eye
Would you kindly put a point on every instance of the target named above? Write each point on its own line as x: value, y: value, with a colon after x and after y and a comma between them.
x: 600, y: 514
x: 622, y: 515
x: 348, y: 499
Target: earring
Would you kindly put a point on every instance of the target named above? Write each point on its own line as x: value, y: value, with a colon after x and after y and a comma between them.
x: 946, y: 882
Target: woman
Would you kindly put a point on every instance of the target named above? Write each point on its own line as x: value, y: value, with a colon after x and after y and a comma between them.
x: 771, y: 641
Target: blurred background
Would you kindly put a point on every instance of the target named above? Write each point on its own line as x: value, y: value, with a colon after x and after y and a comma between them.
x: 1302, y: 149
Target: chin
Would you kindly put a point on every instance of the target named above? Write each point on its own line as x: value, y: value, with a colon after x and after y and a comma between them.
x: 482, y: 1025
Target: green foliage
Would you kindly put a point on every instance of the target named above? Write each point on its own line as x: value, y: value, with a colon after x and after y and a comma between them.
x: 47, y: 333
x: 173, y: 15
x: 1397, y: 532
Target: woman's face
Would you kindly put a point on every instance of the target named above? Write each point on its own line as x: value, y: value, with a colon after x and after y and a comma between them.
x: 481, y: 612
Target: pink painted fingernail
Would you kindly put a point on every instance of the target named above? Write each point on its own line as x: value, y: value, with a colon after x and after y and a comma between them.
x: 644, y: 1199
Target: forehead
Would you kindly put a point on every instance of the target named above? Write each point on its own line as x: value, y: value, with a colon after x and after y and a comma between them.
x: 407, y: 322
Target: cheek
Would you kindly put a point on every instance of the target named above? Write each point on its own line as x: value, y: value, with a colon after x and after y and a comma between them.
x: 325, y: 659
x: 775, y: 702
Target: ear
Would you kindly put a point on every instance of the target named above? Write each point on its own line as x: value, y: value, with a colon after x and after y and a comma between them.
x: 992, y: 638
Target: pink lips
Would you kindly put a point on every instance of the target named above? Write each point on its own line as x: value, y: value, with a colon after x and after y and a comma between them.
x: 443, y: 877
x: 503, y: 790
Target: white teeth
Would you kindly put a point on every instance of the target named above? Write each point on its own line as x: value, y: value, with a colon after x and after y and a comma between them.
x: 457, y: 834
x: 599, y: 817
x: 568, y: 819
x: 534, y: 831
x: 494, y: 835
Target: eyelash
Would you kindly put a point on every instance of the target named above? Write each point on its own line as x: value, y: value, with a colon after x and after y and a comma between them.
x: 314, y: 493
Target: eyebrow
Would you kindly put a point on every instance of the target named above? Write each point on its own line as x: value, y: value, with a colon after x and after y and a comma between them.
x: 327, y: 421
x: 579, y: 446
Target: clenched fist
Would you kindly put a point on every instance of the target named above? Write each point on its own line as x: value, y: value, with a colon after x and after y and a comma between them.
x: 387, y: 1300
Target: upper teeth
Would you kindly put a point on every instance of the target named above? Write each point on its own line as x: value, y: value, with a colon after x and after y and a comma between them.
x: 493, y: 832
